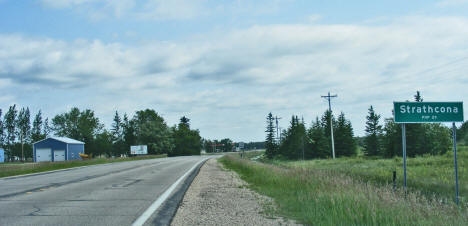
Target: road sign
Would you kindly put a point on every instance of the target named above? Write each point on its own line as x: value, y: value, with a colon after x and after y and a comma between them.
x: 429, y: 112
x: 139, y: 150
x: 424, y: 112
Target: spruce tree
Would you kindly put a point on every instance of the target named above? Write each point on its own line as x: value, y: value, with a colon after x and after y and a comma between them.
x: 345, y: 145
x: 117, y: 127
x: 36, y: 132
x: 319, y: 144
x: 46, y: 128
x: 327, y: 115
x: 24, y: 128
x: 294, y: 140
x: 270, y: 143
x: 415, y: 135
x: 186, y: 140
x: 417, y: 97
x: 10, y: 130
x: 117, y: 135
x: 326, y: 123
x: 128, y: 133
x: 373, y: 133
x: 391, y: 139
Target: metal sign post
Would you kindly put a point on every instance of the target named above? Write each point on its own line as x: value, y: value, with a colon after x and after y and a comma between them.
x: 403, y: 138
x: 429, y: 112
x: 455, y: 160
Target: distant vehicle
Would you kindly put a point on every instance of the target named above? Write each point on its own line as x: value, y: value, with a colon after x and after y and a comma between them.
x: 85, y: 156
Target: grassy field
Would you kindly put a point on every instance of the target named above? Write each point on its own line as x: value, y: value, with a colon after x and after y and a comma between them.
x: 353, y: 191
x: 13, y: 169
x: 252, y: 153
x: 432, y: 176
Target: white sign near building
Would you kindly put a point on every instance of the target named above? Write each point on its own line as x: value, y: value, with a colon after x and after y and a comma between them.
x: 139, y: 150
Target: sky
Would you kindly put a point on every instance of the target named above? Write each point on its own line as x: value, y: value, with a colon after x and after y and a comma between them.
x: 226, y: 64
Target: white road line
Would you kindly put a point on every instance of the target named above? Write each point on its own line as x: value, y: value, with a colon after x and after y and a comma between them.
x: 156, y: 204
x: 68, y: 169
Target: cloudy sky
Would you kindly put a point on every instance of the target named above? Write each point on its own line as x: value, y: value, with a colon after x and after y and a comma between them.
x: 227, y: 64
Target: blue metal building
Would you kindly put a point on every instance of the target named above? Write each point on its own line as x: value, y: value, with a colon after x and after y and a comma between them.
x: 54, y: 149
x: 2, y: 155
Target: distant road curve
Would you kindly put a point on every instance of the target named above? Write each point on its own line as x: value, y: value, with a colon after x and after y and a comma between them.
x: 110, y: 194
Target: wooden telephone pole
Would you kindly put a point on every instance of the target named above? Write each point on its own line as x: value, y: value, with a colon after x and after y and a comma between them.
x: 328, y: 97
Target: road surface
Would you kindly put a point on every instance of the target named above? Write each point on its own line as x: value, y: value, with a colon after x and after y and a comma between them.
x: 109, y: 194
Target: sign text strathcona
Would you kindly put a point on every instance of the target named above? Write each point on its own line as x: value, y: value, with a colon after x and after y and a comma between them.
x: 429, y: 112
x: 423, y: 112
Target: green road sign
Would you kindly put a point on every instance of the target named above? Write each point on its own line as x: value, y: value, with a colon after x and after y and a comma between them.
x: 424, y: 112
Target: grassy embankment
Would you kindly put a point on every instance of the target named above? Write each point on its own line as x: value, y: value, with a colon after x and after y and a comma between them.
x: 13, y: 169
x: 353, y: 191
x: 432, y: 176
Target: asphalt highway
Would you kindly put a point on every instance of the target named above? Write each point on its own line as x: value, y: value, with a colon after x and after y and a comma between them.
x: 109, y: 194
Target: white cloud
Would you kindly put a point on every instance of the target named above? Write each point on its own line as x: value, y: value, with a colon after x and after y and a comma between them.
x: 171, y: 10
x: 161, y: 10
x: 146, y: 10
x: 451, y: 3
x: 237, y: 78
x: 314, y: 18
x: 66, y: 3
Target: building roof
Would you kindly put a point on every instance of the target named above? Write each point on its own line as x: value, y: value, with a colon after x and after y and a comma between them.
x: 64, y: 140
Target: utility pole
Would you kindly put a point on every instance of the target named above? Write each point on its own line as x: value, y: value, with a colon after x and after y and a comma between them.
x: 281, y: 134
x: 328, y: 97
x: 277, y: 134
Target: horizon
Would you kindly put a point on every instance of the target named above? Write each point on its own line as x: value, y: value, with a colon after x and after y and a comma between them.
x: 226, y: 65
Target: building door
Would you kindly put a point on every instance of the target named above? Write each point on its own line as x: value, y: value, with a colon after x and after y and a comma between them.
x: 59, y: 155
x: 43, y: 155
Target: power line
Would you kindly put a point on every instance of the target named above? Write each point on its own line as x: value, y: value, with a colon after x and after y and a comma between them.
x: 443, y: 65
x: 328, y: 97
x: 436, y: 67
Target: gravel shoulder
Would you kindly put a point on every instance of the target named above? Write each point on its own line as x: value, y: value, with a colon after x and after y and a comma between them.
x: 219, y: 197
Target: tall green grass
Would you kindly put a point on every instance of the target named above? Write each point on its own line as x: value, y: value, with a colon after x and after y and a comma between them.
x: 432, y: 176
x: 325, y: 197
x: 14, y: 169
x: 463, y: 148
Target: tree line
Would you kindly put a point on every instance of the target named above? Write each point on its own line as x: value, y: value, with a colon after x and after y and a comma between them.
x: 223, y: 145
x: 462, y: 133
x: 146, y: 127
x: 227, y: 145
x: 300, y: 142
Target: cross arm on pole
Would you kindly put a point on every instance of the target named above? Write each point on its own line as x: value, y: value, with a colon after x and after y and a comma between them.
x: 328, y: 96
